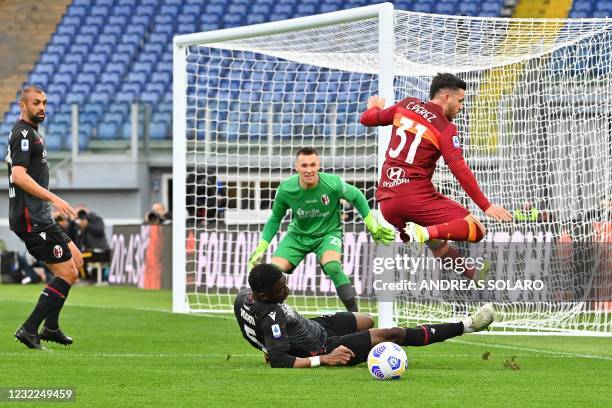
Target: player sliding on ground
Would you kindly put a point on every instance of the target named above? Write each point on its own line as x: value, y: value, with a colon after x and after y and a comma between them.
x: 314, y: 200
x: 291, y: 341
x: 422, y: 132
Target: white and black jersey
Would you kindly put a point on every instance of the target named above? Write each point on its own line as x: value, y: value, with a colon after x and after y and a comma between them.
x: 278, y: 330
x: 27, y: 148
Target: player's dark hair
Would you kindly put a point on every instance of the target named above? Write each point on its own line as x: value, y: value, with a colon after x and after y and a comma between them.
x: 264, y: 276
x: 306, y: 151
x: 27, y: 89
x: 445, y: 81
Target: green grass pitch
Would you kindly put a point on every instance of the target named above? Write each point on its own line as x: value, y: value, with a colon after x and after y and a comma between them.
x: 130, y: 351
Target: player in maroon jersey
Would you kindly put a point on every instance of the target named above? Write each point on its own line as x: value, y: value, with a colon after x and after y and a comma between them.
x: 422, y: 132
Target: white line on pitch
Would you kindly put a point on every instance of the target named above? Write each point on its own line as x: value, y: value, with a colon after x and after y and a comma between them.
x: 533, y: 350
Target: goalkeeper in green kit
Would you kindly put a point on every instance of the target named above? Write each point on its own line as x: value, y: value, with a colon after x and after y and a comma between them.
x: 314, y: 200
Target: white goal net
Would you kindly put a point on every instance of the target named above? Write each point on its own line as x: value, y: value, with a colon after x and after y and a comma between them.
x: 536, y: 130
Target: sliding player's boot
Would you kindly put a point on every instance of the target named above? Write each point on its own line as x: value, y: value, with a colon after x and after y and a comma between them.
x: 479, y: 320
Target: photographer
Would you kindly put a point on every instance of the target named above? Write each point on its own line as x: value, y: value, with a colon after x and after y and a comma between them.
x: 91, y: 238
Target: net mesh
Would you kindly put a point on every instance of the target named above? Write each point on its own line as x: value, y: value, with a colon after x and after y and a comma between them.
x: 535, y: 130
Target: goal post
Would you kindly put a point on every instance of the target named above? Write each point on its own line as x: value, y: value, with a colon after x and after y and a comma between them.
x: 536, y: 130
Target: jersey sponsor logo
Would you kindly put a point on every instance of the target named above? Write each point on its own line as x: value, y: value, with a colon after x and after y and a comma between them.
x: 311, y: 213
x: 25, y: 145
x: 456, y: 142
x: 24, y: 133
x: 325, y: 199
x: 244, y: 314
x: 396, y: 175
x: 313, y: 201
x: 43, y: 235
x: 276, y: 331
x: 58, y: 251
x: 272, y: 315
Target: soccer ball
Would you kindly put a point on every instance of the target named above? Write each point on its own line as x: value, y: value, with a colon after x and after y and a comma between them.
x: 387, y: 361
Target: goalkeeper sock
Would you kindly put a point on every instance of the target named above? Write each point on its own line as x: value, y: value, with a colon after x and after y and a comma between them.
x: 431, y: 333
x: 346, y: 292
x: 457, y: 230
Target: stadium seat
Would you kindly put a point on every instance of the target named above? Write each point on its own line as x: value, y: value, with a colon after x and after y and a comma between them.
x: 108, y: 130
x: 40, y: 79
x: 118, y: 19
x: 50, y: 58
x: 158, y: 130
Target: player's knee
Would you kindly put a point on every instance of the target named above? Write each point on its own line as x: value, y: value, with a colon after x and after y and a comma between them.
x: 69, y: 273
x: 394, y: 334
x: 364, y: 321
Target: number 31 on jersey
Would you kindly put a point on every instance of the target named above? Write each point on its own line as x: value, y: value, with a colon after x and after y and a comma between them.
x: 417, y: 129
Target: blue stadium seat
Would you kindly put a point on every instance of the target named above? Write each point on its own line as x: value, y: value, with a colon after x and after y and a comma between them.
x: 69, y: 30
x: 582, y: 5
x: 579, y: 14
x: 107, y: 39
x: 134, y: 39
x: 164, y: 19
x: 94, y: 21
x: 150, y: 97
x: 78, y: 11
x: 44, y: 68
x: 118, y: 19
x: 75, y: 58
x: 156, y: 87
x: 161, y: 77
x: 158, y: 130
x: 140, y: 20
x: 142, y: 67
x: 195, y: 9
x: 136, y: 29
x: 138, y: 77
x: 110, y: 78
x: 95, y: 58
x: 187, y: 28
x: 76, y: 97
x: 108, y: 130
x: 50, y: 58
x: 86, y: 39
x: 445, y: 7
x: 121, y: 58
x: 40, y: 79
x: 72, y: 20
x: 603, y: 5
x: 423, y: 7
x: 56, y: 49
x: 254, y: 18
x: 468, y: 8
x: 86, y: 78
x: 79, y: 49
x: 71, y: 68
x: 169, y: 9
x: 125, y: 96
x: 95, y: 68
x: 62, y: 79
x: 90, y: 30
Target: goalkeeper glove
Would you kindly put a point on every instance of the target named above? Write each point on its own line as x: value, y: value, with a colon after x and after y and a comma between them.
x: 256, y: 256
x: 380, y: 234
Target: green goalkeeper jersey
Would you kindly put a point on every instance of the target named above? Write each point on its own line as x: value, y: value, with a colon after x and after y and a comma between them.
x: 315, y: 211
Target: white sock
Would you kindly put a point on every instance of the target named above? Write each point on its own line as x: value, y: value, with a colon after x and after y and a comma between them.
x: 467, y: 325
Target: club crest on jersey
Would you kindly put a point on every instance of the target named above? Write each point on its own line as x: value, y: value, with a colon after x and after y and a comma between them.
x: 325, y: 199
x: 25, y: 145
x: 58, y: 251
x: 276, y: 331
x: 456, y: 142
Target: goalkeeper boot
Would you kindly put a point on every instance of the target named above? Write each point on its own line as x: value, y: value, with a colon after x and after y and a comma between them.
x: 479, y: 320
x: 30, y: 340
x: 416, y: 233
x: 56, y: 336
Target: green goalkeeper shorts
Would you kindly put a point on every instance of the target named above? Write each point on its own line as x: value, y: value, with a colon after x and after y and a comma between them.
x: 295, y: 247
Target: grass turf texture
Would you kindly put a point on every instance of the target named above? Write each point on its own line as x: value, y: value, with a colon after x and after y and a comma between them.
x: 129, y: 351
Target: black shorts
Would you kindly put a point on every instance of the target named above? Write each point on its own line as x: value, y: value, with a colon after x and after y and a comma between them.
x: 341, y: 329
x: 49, y: 246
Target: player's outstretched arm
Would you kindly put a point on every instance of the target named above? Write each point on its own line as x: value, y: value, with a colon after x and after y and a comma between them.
x: 341, y: 355
x: 279, y: 209
x: 499, y: 213
x: 23, y: 180
x: 376, y: 114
